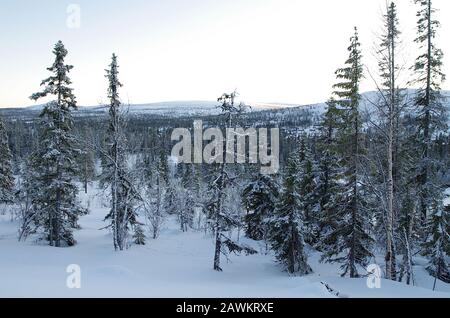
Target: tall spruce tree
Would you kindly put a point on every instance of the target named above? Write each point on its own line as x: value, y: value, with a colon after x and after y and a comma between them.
x: 6, y: 174
x: 124, y: 196
x: 286, y: 226
x: 431, y: 111
x: 349, y: 243
x: 55, y: 209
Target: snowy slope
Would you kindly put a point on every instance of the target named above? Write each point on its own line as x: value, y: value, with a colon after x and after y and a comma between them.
x: 172, y: 109
x: 176, y: 265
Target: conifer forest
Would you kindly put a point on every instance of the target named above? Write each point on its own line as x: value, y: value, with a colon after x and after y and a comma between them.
x: 349, y: 197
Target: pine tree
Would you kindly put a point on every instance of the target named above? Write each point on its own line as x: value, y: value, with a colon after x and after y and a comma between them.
x: 219, y: 214
x: 162, y: 196
x: 259, y: 198
x: 437, y: 246
x: 349, y: 243
x: 124, y: 195
x: 328, y: 168
x: 431, y: 112
x: 171, y: 198
x: 187, y: 214
x: 286, y: 225
x: 187, y: 192
x: 55, y: 209
x: 139, y: 235
x: 6, y: 174
x: 307, y: 187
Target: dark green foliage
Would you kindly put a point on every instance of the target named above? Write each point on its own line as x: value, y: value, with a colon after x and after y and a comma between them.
x: 286, y: 234
x: 6, y: 173
x: 53, y: 167
x: 259, y: 198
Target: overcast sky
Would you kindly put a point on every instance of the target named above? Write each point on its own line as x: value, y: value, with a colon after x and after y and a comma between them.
x: 270, y: 50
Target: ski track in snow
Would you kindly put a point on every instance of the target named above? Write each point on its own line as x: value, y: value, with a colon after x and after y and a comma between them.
x: 175, y: 265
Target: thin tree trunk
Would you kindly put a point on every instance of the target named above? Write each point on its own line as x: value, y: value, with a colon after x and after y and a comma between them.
x: 217, y: 225
x: 390, y: 266
x: 86, y: 175
x: 353, y: 272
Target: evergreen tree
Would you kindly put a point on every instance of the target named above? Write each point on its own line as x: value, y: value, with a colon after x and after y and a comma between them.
x: 437, y: 246
x: 307, y: 187
x: 219, y: 214
x: 186, y: 216
x: 187, y: 195
x: 55, y: 209
x: 259, y: 198
x: 124, y: 195
x: 431, y: 112
x: 6, y: 174
x: 162, y: 196
x: 328, y: 168
x: 171, y: 198
x: 139, y: 235
x: 286, y: 225
x: 349, y: 243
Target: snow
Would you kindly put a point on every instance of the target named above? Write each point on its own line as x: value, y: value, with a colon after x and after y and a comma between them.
x: 172, y: 108
x: 175, y: 265
x: 447, y: 197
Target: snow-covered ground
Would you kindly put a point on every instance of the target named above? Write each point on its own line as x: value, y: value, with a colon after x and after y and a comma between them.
x: 176, y: 265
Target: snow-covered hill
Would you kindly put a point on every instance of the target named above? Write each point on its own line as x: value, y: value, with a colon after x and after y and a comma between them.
x: 170, y: 109
x: 198, y: 108
x: 175, y: 265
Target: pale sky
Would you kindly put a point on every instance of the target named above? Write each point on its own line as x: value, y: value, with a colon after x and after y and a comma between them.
x: 282, y: 51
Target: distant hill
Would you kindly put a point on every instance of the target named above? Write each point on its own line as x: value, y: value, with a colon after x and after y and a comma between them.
x: 193, y: 108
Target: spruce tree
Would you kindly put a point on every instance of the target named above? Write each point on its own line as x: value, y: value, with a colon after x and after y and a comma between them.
x: 187, y: 192
x: 437, y: 245
x: 219, y: 214
x: 328, y: 168
x: 55, y: 209
x: 349, y: 243
x: 162, y: 196
x: 286, y: 234
x: 259, y: 198
x: 307, y: 187
x: 139, y: 235
x: 124, y: 195
x: 6, y: 174
x: 431, y: 115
